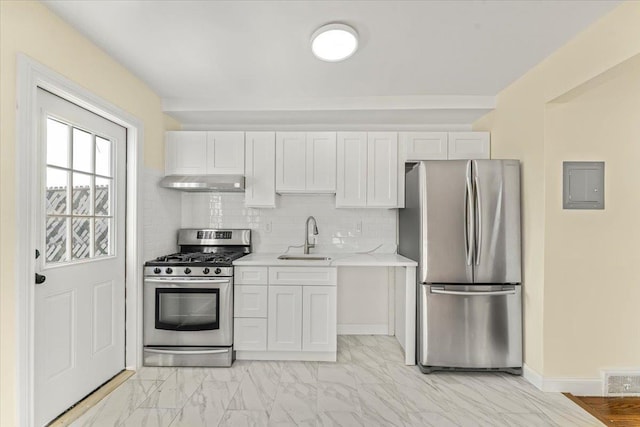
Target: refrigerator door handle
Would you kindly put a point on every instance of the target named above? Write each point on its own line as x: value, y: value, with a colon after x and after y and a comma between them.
x: 478, y: 219
x: 442, y: 291
x: 469, y: 216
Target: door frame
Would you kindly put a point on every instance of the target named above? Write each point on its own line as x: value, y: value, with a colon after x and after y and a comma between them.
x: 31, y: 76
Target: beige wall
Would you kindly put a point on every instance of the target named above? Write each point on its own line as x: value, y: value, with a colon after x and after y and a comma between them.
x: 30, y: 28
x: 581, y: 103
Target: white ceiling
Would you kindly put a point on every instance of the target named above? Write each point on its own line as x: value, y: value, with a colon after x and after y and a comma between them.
x: 248, y: 62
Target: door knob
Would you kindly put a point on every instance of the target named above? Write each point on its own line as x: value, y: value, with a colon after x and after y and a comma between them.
x: 40, y: 278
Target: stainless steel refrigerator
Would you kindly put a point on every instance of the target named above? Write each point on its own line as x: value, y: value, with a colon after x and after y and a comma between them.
x: 461, y: 223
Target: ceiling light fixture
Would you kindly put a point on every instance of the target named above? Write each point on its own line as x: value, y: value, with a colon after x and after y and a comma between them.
x: 334, y: 42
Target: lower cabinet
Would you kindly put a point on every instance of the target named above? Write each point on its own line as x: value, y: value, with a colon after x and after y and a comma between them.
x: 285, y: 318
x: 302, y: 318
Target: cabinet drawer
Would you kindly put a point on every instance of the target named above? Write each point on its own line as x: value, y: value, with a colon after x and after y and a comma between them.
x: 324, y: 276
x: 250, y: 276
x: 250, y: 301
x: 250, y: 334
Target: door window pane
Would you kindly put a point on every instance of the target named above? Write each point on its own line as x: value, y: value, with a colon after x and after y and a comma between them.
x: 103, y: 156
x: 103, y: 196
x: 81, y: 194
x: 82, y: 151
x: 56, y: 229
x: 56, y: 191
x: 103, y: 236
x: 81, y: 238
x: 57, y: 143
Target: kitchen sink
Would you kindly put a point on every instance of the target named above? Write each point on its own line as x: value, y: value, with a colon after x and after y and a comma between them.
x: 303, y: 257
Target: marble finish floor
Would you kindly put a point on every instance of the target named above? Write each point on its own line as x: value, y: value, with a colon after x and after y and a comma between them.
x: 368, y: 386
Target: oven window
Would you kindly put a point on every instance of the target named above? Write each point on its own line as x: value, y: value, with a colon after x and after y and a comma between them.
x: 187, y: 309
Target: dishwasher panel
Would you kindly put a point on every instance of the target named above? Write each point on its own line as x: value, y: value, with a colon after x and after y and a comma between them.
x: 476, y: 327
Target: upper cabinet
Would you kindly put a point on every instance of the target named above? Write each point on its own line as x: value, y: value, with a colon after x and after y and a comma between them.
x: 260, y: 170
x: 305, y: 162
x: 204, y: 153
x: 367, y: 174
x: 444, y: 145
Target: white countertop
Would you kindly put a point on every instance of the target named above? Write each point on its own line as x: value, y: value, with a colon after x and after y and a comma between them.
x: 337, y: 260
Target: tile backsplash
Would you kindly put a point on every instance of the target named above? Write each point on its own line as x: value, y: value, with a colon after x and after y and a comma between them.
x: 273, y: 230
x: 161, y: 216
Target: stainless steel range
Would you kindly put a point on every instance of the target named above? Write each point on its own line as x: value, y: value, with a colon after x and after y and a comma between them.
x: 188, y: 299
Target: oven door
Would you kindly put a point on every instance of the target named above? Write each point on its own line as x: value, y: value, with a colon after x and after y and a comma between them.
x: 188, y: 312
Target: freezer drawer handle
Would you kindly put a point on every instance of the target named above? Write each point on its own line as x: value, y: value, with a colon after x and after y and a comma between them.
x: 473, y: 293
x: 154, y: 350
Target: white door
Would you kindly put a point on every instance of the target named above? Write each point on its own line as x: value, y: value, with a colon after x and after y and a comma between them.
x: 225, y: 153
x: 351, y: 177
x: 260, y: 170
x: 80, y: 306
x: 284, y: 322
x: 382, y: 169
x: 186, y: 153
x: 319, y: 329
x: 321, y: 162
x: 291, y: 158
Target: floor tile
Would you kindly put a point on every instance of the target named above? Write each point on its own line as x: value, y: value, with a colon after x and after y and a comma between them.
x: 207, y: 404
x: 150, y: 417
x: 300, y: 372
x: 381, y: 403
x: 234, y: 418
x: 295, y: 403
x: 334, y: 397
x: 340, y: 419
x: 174, y: 392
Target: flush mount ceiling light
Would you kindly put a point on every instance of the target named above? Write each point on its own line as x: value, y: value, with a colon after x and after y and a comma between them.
x: 334, y: 42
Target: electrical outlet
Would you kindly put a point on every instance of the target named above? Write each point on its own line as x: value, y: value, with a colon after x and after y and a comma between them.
x: 267, y: 227
x: 359, y: 227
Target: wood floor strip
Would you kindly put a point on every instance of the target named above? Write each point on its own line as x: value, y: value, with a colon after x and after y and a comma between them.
x: 612, y: 411
x: 91, y: 400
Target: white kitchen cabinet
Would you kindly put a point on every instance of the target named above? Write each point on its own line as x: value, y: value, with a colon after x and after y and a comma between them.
x: 204, y: 153
x: 319, y: 276
x: 251, y: 275
x: 382, y: 169
x: 424, y: 145
x: 351, y: 174
x: 225, y: 153
x: 250, y: 301
x: 305, y: 162
x: 185, y: 153
x: 367, y: 174
x: 250, y: 334
x: 284, y: 320
x: 468, y: 145
x: 321, y: 162
x: 319, y: 314
x: 260, y: 170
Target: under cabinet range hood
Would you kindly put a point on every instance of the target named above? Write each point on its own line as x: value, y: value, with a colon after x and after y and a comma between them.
x: 205, y: 183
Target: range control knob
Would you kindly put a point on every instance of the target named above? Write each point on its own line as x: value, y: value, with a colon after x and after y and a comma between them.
x: 187, y: 270
x: 169, y: 270
x: 206, y: 270
x: 217, y: 271
x: 157, y: 270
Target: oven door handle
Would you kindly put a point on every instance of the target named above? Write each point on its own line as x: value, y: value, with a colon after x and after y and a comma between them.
x: 217, y: 351
x: 174, y: 280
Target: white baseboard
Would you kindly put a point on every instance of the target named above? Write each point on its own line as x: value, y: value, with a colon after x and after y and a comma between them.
x: 357, y: 329
x: 575, y: 386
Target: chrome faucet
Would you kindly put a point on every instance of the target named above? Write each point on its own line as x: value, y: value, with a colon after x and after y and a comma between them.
x: 308, y: 245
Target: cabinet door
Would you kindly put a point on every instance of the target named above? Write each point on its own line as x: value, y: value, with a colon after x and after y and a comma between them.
x: 250, y: 301
x: 250, y: 334
x: 291, y: 162
x: 186, y: 153
x: 468, y: 145
x: 351, y: 174
x: 319, y: 330
x: 424, y: 145
x: 225, y: 153
x: 284, y: 321
x: 382, y: 169
x: 260, y: 170
x: 321, y: 162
